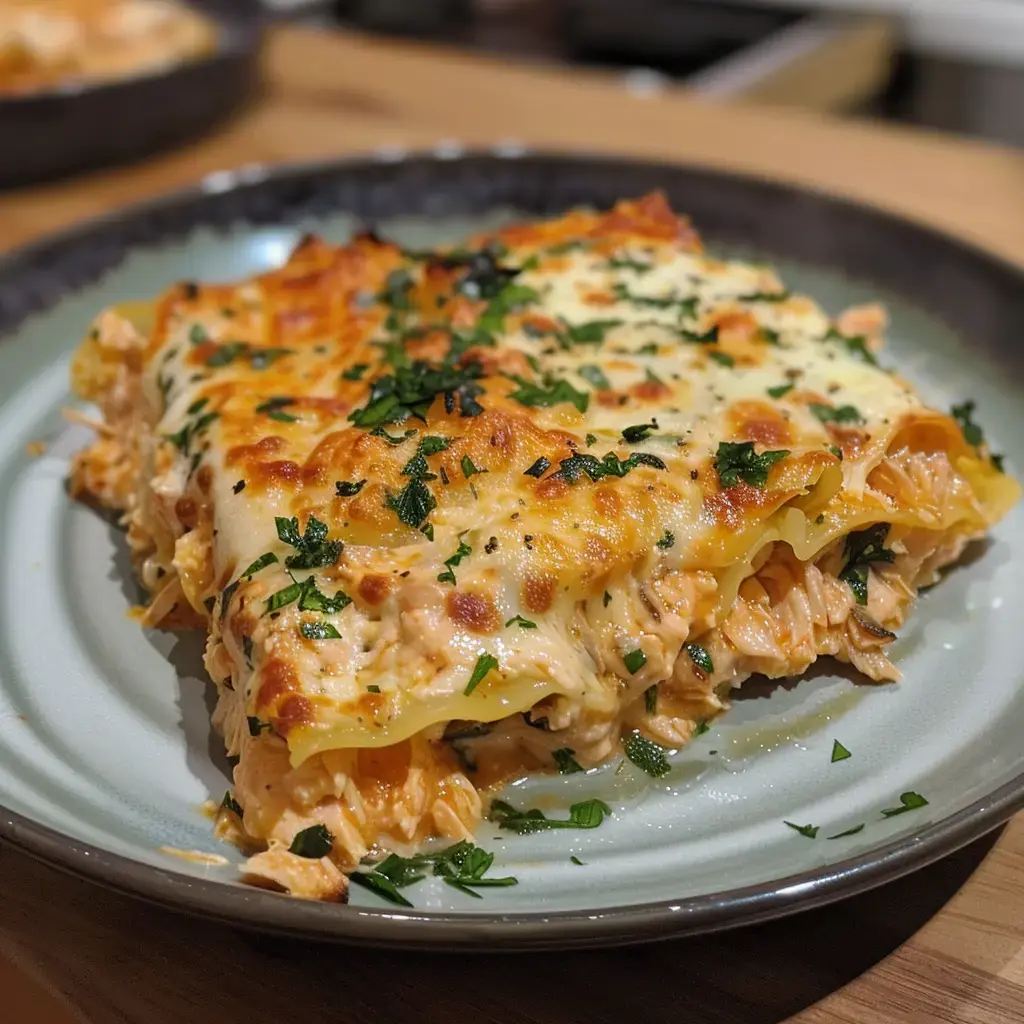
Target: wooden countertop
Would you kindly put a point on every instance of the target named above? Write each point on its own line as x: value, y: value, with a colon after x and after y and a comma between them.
x: 912, y: 952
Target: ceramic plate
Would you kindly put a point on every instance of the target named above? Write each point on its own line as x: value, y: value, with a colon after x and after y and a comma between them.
x: 82, y: 127
x: 106, y: 753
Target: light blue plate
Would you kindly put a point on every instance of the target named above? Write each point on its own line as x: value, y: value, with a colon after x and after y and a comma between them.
x: 107, y: 755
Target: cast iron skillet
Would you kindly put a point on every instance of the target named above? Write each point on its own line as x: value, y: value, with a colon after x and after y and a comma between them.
x: 51, y: 134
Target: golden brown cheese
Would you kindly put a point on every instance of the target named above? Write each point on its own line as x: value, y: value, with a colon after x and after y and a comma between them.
x: 446, y: 513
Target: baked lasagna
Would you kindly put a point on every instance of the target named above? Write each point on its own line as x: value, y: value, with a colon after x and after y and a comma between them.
x: 453, y: 517
x: 46, y: 44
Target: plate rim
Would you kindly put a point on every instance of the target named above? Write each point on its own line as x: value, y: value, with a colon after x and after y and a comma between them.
x: 397, y: 928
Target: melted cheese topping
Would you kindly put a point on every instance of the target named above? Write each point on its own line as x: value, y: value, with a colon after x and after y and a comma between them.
x: 578, y: 478
x: 52, y: 43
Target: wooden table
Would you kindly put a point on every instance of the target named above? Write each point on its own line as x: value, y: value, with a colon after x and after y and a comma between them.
x: 916, y: 951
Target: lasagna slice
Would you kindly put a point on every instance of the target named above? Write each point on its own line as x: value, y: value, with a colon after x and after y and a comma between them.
x: 453, y: 517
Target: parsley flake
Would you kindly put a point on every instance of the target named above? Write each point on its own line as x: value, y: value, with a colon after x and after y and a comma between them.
x: 463, y: 551
x: 862, y: 548
x: 639, y: 432
x: 909, y: 801
x: 518, y: 620
x: 539, y: 468
x: 319, y: 631
x: 849, y: 832
x: 314, y: 842
x: 567, y: 764
x: 836, y: 414
x: 634, y: 660
x: 647, y: 755
x: 839, y: 752
x: 738, y: 461
x: 484, y: 664
x: 700, y: 657
x: 469, y: 468
x: 550, y: 392
x: 348, y: 488
x: 594, y: 376
x: 314, y: 550
x: 807, y: 831
x: 588, y: 814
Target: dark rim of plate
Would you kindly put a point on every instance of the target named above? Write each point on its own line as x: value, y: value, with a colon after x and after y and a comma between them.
x: 948, y: 275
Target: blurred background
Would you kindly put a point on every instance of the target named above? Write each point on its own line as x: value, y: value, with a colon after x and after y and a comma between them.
x: 955, y: 65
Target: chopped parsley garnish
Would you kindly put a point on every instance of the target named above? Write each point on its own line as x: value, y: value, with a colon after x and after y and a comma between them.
x: 973, y: 434
x: 807, y: 831
x: 909, y: 801
x: 700, y: 657
x: 392, y: 439
x: 355, y: 372
x: 592, y: 332
x: 651, y: 699
x: 634, y: 660
x: 639, y: 432
x: 197, y: 334
x: 274, y: 409
x: 225, y: 354
x: 668, y: 538
x: 577, y: 861
x: 314, y: 550
x: 764, y: 297
x: 462, y: 866
x: 397, y: 288
x: 348, y: 488
x: 647, y: 755
x: 625, y: 263
x: 623, y: 294
x: 469, y: 467
x: 229, y: 803
x: 373, y: 688
x: 484, y: 664
x: 412, y: 389
x: 268, y: 558
x: 701, y: 728
x: 413, y: 503
x: 284, y: 597
x: 579, y: 463
x: 314, y: 842
x: 518, y: 620
x: 594, y: 376
x: 836, y: 451
x: 588, y: 814
x: 709, y: 337
x: 836, y: 414
x: 510, y: 298
x: 607, y: 599
x: 550, y: 392
x: 261, y: 358
x: 738, y: 461
x: 849, y: 832
x: 256, y: 726
x: 722, y: 358
x: 319, y: 631
x: 311, y: 599
x: 839, y: 752
x: 197, y: 406
x: 417, y: 465
x: 590, y: 439
x: 862, y: 548
x: 567, y: 764
x: 239, y: 487
x: 856, y: 346
x: 463, y: 551
x: 539, y: 468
